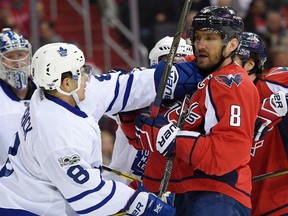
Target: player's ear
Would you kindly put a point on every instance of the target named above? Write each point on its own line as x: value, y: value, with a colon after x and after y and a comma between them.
x: 66, y: 83
x: 233, y: 44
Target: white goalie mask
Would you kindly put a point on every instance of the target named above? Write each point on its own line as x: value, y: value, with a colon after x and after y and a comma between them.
x: 52, y: 60
x: 163, y: 47
x: 15, y: 58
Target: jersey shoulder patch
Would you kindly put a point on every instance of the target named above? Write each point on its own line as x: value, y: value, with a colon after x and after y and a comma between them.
x: 228, y: 80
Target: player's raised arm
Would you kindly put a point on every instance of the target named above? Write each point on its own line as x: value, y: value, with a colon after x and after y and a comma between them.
x: 118, y: 91
x: 54, y: 165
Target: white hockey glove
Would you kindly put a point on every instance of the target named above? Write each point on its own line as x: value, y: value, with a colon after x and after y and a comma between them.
x: 156, y: 133
x: 271, y: 112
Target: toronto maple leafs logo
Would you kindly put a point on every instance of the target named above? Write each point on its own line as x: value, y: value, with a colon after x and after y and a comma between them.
x: 230, y: 79
x: 62, y: 52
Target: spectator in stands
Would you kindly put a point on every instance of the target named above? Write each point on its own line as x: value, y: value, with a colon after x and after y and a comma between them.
x: 255, y: 18
x: 276, y: 32
x: 21, y: 16
x: 279, y: 56
x: 241, y: 6
x: 48, y: 33
x: 6, y: 18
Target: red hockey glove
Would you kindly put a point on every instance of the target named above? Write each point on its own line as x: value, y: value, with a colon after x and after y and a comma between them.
x: 271, y: 112
x: 145, y: 203
x: 128, y: 127
x: 156, y: 133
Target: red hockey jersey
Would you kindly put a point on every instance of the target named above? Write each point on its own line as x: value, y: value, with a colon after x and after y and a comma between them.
x: 270, y: 196
x: 223, y: 110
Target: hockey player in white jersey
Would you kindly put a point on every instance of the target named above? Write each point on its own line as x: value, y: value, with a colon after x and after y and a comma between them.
x: 126, y: 158
x: 54, y: 166
x: 16, y: 87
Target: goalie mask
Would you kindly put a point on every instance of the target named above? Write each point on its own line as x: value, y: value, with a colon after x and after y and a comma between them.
x: 163, y: 47
x: 52, y: 60
x: 15, y: 58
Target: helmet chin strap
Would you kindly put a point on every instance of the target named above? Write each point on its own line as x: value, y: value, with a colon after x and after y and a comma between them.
x: 73, y: 92
x: 75, y: 97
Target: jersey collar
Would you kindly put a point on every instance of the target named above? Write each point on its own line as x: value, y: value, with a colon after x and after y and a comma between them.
x: 76, y: 110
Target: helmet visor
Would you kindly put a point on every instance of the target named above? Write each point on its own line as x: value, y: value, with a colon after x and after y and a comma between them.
x: 87, y: 70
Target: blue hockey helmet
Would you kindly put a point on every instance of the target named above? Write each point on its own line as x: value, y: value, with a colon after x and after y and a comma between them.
x: 224, y: 20
x: 252, y: 46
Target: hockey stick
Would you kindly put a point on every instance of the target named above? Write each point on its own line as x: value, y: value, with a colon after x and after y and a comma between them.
x: 161, y: 88
x: 157, y: 102
x: 124, y: 175
x: 269, y: 175
x: 170, y: 160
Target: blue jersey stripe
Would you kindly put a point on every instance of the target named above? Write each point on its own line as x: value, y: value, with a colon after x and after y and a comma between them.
x: 128, y: 90
x: 116, y: 93
x: 80, y: 196
x: 102, y: 203
x: 15, y: 212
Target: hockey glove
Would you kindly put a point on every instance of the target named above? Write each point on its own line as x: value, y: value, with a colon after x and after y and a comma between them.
x: 183, y: 78
x: 168, y: 198
x: 128, y: 127
x: 145, y: 203
x: 156, y: 133
x: 271, y: 112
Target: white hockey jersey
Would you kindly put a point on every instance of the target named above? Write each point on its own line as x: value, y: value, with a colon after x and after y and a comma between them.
x: 54, y: 166
x: 11, y: 112
x: 126, y: 159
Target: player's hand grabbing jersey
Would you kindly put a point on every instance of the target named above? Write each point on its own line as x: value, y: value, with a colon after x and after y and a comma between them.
x: 54, y: 164
x: 223, y: 110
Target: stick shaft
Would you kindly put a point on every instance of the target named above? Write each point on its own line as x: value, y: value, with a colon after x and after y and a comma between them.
x: 124, y: 175
x: 170, y: 160
x: 161, y: 88
x: 269, y: 175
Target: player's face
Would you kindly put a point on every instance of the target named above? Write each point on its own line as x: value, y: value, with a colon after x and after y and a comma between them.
x: 177, y: 59
x: 248, y: 65
x: 208, y: 48
x: 16, y: 59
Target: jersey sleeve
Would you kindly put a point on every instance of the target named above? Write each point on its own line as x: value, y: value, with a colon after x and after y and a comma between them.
x: 82, y: 185
x: 114, y: 92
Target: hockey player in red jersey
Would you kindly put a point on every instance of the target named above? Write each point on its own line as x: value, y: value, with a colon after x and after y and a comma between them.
x: 210, y: 175
x: 270, y: 152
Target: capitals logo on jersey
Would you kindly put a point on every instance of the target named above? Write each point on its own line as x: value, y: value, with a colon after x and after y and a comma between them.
x: 173, y: 113
x: 230, y: 79
x: 256, y: 146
